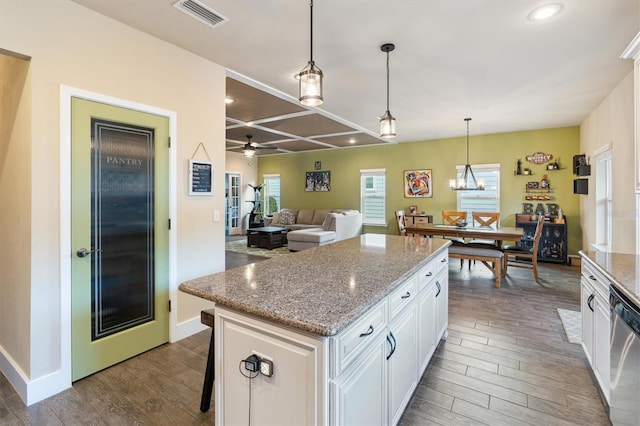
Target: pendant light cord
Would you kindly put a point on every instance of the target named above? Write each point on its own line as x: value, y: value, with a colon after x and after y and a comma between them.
x: 311, y: 33
x: 467, y: 120
x: 387, y: 81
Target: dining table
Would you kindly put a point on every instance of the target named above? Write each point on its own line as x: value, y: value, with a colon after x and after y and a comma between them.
x: 500, y: 234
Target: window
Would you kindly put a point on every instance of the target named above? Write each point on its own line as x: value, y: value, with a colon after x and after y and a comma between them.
x: 373, y: 190
x: 603, y: 198
x: 271, y: 193
x: 481, y: 201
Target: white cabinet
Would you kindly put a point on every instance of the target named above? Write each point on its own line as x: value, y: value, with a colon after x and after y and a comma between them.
x: 396, y: 354
x: 360, y: 396
x: 596, y: 323
x: 442, y: 296
x: 403, y: 356
x: 442, y: 305
x: 427, y: 341
x: 588, y: 318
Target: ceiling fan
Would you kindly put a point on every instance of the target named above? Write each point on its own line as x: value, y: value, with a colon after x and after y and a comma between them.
x: 250, y: 148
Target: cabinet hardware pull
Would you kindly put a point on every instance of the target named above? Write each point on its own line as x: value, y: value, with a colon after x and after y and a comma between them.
x: 368, y: 332
x: 439, y: 288
x: 406, y: 296
x: 393, y: 344
x: 429, y: 274
x: 443, y: 260
x: 591, y: 277
x: 589, y: 300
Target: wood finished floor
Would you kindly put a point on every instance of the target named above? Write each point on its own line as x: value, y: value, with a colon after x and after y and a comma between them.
x: 506, y: 362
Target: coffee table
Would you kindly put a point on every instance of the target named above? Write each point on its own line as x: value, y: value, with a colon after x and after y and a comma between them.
x: 267, y: 237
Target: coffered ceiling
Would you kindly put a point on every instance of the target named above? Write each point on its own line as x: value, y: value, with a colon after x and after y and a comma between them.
x: 280, y: 125
x: 453, y: 59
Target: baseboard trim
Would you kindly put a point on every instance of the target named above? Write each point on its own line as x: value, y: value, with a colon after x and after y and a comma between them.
x: 36, y: 390
x: 32, y: 391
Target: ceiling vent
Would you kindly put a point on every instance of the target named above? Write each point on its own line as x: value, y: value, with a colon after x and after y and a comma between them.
x: 201, y: 12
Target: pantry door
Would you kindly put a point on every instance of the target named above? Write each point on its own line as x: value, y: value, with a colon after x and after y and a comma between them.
x: 119, y: 234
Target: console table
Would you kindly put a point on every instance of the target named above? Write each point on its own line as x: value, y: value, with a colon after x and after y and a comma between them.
x: 553, y: 241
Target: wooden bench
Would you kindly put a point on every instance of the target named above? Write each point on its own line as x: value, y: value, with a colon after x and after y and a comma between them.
x: 206, y: 318
x: 491, y: 258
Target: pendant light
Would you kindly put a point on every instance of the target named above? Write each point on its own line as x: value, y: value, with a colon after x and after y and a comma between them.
x: 461, y: 184
x: 310, y: 78
x: 387, y: 121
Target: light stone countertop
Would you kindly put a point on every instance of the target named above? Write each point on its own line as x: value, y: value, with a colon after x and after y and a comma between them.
x: 621, y: 269
x: 323, y: 289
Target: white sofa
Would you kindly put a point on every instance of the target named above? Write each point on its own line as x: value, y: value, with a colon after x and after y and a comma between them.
x: 337, y: 225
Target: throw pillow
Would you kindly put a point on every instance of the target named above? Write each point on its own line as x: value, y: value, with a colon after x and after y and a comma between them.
x: 319, y: 215
x: 305, y: 216
x: 287, y: 217
x: 275, y: 219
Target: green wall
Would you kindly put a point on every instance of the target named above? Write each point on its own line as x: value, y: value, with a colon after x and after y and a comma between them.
x: 441, y: 156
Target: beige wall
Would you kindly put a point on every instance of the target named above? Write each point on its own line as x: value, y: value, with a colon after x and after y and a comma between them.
x: 612, y: 123
x: 73, y: 46
x: 15, y: 190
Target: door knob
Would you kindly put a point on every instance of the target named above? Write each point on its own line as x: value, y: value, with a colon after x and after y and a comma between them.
x: 83, y: 252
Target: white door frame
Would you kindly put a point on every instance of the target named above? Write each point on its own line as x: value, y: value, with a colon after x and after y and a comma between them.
x: 240, y: 209
x: 66, y: 93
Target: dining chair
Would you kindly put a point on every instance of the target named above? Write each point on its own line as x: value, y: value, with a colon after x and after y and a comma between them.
x: 514, y: 255
x: 402, y: 229
x: 452, y: 217
x: 484, y: 219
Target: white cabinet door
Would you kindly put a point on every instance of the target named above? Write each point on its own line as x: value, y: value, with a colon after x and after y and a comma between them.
x: 426, y: 326
x: 360, y: 394
x: 601, y: 344
x: 587, y: 310
x: 442, y: 304
x: 403, y: 361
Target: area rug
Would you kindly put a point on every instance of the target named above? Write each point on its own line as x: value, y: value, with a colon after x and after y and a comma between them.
x: 240, y: 246
x: 572, y: 323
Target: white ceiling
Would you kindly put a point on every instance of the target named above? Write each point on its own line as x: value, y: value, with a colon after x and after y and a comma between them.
x: 453, y: 58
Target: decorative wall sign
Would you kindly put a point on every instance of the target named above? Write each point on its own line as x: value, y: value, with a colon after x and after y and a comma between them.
x: 200, y: 177
x: 417, y: 183
x: 539, y: 158
x: 318, y: 165
x: 318, y: 181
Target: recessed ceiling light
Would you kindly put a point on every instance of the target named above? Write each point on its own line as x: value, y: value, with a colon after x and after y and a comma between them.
x: 352, y: 141
x: 229, y: 100
x: 545, y: 12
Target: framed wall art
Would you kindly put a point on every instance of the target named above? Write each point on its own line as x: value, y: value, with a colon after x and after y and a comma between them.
x: 418, y: 183
x: 318, y: 181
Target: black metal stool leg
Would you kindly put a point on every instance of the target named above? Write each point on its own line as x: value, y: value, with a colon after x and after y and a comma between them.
x: 207, y: 388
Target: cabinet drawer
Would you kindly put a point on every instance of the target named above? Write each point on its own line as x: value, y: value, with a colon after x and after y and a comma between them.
x: 593, y: 275
x: 426, y: 275
x: 351, y: 341
x: 442, y: 261
x: 422, y: 219
x: 402, y: 297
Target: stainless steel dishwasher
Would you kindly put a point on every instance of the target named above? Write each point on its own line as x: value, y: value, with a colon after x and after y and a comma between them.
x: 625, y: 360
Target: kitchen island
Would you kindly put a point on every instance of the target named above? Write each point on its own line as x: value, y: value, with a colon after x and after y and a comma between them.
x: 349, y: 328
